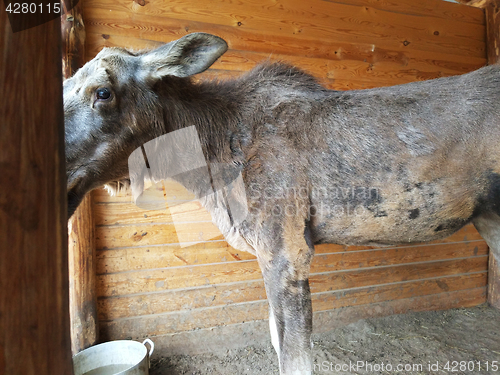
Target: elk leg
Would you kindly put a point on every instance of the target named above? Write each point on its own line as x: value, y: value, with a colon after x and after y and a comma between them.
x: 286, y: 273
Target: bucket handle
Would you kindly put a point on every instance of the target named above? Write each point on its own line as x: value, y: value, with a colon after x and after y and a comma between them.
x: 152, y: 347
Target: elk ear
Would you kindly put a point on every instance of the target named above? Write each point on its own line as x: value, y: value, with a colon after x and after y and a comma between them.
x: 192, y: 54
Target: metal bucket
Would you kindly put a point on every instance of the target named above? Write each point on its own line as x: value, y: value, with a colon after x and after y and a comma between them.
x: 121, y: 357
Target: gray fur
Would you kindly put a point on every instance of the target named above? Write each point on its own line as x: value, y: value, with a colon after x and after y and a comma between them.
x: 391, y: 165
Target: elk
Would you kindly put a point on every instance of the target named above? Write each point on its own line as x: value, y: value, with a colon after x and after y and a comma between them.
x: 413, y: 163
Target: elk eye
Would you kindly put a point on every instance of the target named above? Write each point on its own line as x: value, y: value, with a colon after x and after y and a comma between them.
x: 103, y: 93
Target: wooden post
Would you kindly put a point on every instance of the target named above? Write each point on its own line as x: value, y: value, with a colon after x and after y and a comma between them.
x: 492, y: 13
x: 34, y: 313
x: 73, y: 37
x: 81, y: 247
x: 82, y: 268
x: 493, y: 282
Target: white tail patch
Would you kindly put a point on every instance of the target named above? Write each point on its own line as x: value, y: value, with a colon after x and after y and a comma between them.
x: 274, y: 332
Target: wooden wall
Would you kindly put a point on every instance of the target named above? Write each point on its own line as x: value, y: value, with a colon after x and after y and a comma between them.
x: 34, y: 308
x: 148, y: 285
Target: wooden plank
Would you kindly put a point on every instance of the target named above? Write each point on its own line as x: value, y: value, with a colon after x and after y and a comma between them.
x: 164, y: 29
x: 149, y: 257
x: 111, y: 308
x: 404, y: 255
x: 81, y: 249
x: 322, y: 21
x: 155, y: 234
x: 175, y: 322
x: 73, y: 37
x: 135, y: 235
x: 492, y: 14
x: 441, y: 9
x: 392, y: 292
x: 494, y: 282
x: 379, y: 19
x: 126, y: 213
x: 392, y: 274
x: 179, y: 321
x: 82, y: 270
x: 34, y: 306
x: 158, y: 303
x: 157, y: 280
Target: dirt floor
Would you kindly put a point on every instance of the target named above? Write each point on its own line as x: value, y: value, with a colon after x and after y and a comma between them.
x: 459, y: 341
